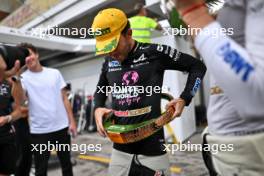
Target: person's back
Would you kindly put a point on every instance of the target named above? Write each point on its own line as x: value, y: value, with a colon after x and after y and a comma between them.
x: 142, y: 27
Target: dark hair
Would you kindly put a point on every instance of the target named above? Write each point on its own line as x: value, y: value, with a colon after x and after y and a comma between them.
x: 124, y: 31
x: 68, y: 87
x: 138, y: 7
x: 29, y: 46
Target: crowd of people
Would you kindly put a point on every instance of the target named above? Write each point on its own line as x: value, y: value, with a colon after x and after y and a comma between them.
x: 50, y: 116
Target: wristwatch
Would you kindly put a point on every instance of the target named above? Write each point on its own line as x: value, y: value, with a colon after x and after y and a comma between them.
x: 16, y: 78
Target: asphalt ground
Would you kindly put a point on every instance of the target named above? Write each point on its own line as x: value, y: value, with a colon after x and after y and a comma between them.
x: 95, y: 163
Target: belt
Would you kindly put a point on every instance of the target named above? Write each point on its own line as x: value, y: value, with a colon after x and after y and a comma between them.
x: 134, y: 112
x: 124, y: 134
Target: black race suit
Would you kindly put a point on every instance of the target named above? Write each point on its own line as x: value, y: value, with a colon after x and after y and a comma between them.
x: 145, y: 66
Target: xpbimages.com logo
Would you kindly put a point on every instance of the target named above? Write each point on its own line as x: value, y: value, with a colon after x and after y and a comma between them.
x: 183, y: 147
x: 82, y: 148
x: 130, y: 91
x: 64, y: 31
x: 183, y: 31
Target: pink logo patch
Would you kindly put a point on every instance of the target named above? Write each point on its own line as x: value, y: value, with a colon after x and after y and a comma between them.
x: 130, y: 78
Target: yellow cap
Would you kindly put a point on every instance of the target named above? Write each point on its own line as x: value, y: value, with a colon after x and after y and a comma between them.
x: 108, y: 25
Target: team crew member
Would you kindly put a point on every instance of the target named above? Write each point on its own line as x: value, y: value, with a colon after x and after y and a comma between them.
x: 51, y: 118
x: 8, y: 90
x: 142, y: 25
x: 130, y: 63
x: 235, y: 113
x: 240, y: 67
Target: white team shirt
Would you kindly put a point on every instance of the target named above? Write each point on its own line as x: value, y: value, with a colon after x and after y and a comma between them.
x: 238, y: 71
x: 47, y: 112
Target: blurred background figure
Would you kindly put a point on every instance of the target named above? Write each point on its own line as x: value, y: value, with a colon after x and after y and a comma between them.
x: 142, y: 25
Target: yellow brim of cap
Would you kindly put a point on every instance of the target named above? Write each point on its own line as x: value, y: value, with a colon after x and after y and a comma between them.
x: 107, y: 45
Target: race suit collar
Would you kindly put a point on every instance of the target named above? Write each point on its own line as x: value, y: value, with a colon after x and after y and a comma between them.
x: 133, y: 49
